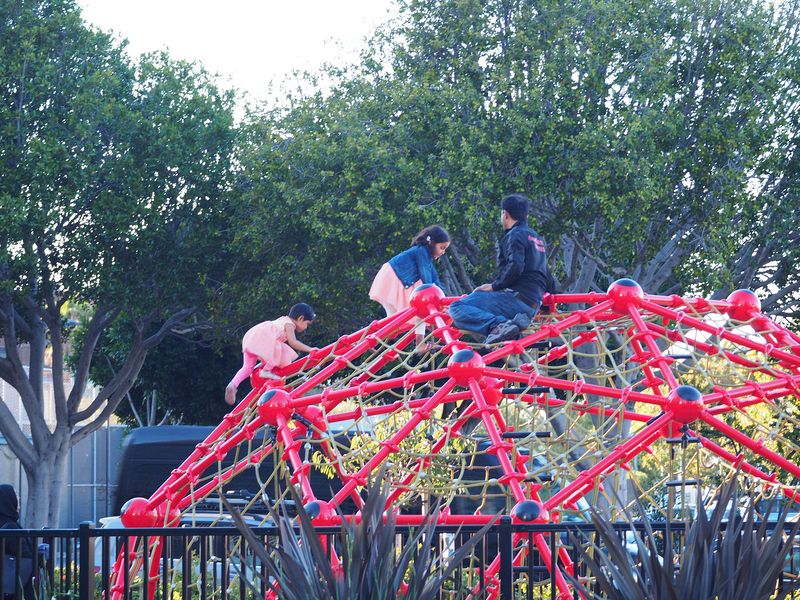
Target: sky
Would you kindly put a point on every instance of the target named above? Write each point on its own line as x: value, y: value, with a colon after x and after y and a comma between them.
x: 249, y: 43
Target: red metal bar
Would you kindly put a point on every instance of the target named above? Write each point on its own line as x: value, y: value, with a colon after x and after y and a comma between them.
x: 552, y: 330
x: 756, y: 447
x: 760, y: 390
x: 652, y: 381
x: 331, y: 398
x: 450, y: 432
x: 577, y: 387
x: 498, y: 447
x: 622, y: 454
x: 389, y: 325
x: 739, y: 462
x: 222, y: 478
x: 230, y: 421
x: 583, y: 407
x: 724, y: 334
x: 290, y: 446
x: 661, y: 362
x: 711, y: 350
x: 385, y: 358
x: 390, y: 446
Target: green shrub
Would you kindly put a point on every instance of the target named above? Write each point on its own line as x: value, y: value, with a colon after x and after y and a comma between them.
x: 742, y: 557
x: 373, y: 566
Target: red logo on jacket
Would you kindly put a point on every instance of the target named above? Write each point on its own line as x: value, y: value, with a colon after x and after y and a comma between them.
x: 538, y: 244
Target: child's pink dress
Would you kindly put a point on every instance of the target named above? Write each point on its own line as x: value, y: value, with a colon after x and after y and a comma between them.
x: 265, y: 342
x: 389, y: 291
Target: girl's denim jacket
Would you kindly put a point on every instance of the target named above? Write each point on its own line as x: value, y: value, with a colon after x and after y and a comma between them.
x: 415, y: 264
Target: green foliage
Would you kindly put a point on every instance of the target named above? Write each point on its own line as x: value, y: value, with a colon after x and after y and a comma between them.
x: 111, y: 167
x: 183, y: 375
x: 372, y: 563
x: 639, y: 128
x: 439, y: 477
x: 114, y: 171
x: 723, y: 557
x: 112, y: 199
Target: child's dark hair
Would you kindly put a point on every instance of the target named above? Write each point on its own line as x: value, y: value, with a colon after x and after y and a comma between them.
x: 301, y: 309
x: 429, y: 236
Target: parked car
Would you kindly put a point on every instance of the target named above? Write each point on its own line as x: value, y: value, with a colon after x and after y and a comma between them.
x: 218, y: 551
x: 150, y: 454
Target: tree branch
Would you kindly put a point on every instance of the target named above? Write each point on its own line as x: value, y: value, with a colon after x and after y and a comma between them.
x: 775, y: 298
x: 19, y: 377
x: 19, y: 444
x: 122, y: 379
x: 7, y: 371
x: 127, y: 394
x: 125, y: 377
x: 36, y: 334
x: 461, y: 273
x: 132, y: 367
x: 167, y: 326
x: 59, y: 394
x: 101, y: 319
x: 660, y: 267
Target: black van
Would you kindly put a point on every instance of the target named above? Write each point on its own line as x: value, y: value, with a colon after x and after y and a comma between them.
x: 150, y: 454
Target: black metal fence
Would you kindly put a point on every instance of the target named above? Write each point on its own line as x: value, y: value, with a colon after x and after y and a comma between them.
x: 216, y: 562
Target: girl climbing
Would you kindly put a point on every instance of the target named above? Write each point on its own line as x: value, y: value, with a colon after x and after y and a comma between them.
x: 396, y: 280
x: 273, y: 343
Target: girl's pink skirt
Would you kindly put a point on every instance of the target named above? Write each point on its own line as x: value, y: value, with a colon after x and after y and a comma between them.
x: 267, y: 341
x: 389, y: 291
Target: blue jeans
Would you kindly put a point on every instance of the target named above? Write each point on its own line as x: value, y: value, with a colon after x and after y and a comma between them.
x: 482, y: 311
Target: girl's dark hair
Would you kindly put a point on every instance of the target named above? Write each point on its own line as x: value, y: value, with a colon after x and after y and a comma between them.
x: 301, y: 309
x: 434, y: 234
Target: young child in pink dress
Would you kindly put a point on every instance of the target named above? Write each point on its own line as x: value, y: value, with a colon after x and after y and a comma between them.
x: 396, y: 280
x: 273, y: 344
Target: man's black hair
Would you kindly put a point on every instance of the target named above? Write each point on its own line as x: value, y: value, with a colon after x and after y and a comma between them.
x: 301, y: 309
x: 517, y: 206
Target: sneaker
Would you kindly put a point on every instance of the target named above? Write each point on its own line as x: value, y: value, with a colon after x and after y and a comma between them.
x: 265, y: 374
x: 522, y: 321
x: 507, y: 330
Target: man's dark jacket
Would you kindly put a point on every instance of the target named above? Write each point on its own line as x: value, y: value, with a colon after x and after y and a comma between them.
x: 522, y: 264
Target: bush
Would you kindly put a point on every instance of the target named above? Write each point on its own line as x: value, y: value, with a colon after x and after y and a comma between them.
x: 742, y: 557
x: 371, y: 564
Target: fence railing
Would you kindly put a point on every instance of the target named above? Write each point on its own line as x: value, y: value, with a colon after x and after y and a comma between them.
x: 216, y: 562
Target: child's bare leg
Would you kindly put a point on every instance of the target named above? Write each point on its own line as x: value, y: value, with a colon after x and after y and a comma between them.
x: 419, y: 330
x: 248, y: 364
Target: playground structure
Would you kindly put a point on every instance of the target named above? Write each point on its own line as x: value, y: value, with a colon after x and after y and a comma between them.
x: 630, y: 395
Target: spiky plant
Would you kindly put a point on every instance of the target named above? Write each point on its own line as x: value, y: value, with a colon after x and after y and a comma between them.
x: 372, y: 566
x: 743, y: 557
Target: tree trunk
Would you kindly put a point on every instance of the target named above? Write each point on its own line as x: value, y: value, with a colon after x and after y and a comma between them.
x: 45, y: 483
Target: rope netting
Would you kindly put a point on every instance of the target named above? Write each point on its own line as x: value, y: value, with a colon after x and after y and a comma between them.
x: 606, y: 399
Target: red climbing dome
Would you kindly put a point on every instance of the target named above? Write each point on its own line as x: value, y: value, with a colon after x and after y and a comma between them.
x: 580, y: 408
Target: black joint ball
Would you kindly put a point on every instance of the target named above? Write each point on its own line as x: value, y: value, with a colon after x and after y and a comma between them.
x: 527, y: 510
x: 626, y: 282
x: 267, y: 396
x: 463, y: 356
x: 688, y: 393
x: 312, y: 509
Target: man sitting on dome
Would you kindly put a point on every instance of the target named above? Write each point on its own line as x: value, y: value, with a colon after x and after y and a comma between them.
x: 503, y: 308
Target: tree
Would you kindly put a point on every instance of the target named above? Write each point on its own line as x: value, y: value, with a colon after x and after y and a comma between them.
x: 110, y: 197
x: 658, y: 140
x: 181, y: 382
